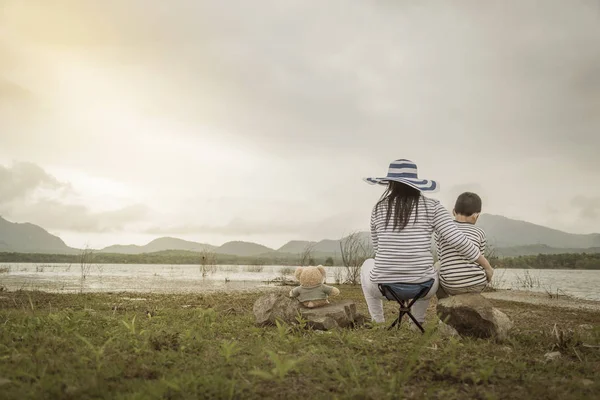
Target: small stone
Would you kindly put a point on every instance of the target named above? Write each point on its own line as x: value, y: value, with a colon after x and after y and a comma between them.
x: 586, y: 327
x: 4, y: 381
x: 587, y: 382
x: 552, y: 355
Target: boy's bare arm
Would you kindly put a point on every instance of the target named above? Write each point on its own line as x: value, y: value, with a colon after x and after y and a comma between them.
x: 489, y: 271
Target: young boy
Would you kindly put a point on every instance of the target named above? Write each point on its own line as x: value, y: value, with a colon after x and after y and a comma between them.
x: 458, y: 275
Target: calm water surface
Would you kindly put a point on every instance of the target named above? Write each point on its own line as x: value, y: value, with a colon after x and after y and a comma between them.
x: 189, y: 278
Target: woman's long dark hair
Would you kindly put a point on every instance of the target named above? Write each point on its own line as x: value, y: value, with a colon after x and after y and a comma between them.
x: 402, y: 200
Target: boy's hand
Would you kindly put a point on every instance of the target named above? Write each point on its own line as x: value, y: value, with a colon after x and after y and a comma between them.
x: 489, y: 273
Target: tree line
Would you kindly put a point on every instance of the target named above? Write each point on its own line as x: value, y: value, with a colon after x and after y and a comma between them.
x: 551, y: 261
x: 540, y: 261
x: 167, y: 257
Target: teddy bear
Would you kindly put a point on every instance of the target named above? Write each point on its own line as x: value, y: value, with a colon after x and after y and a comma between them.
x: 312, y: 292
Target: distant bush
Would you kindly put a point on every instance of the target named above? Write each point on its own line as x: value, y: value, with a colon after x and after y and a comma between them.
x: 208, y: 262
x: 338, y: 275
x: 552, y: 261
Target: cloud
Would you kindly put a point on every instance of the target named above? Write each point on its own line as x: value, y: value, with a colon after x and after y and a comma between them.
x: 322, y: 83
x: 12, y: 92
x: 30, y: 194
x: 23, y: 179
x: 286, y: 75
x: 55, y: 215
x: 293, y: 99
x: 588, y: 207
x: 310, y: 228
x: 239, y: 226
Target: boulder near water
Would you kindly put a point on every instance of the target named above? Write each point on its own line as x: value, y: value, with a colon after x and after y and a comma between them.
x: 473, y: 315
x: 275, y: 306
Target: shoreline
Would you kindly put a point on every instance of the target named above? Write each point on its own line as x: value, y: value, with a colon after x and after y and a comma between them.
x: 240, y: 264
x: 542, y: 299
x: 505, y: 295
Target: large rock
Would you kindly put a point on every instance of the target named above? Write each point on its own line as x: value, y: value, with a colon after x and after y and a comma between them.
x: 275, y: 306
x: 272, y: 307
x: 474, y: 315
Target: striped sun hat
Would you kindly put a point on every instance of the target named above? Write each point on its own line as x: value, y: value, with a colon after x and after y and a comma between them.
x: 405, y: 171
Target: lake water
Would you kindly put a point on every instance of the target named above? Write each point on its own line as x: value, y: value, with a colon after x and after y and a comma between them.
x: 189, y: 278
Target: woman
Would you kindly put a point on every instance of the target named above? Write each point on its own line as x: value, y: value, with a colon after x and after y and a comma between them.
x: 402, y: 224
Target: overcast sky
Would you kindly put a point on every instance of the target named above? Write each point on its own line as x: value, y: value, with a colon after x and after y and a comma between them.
x: 125, y: 120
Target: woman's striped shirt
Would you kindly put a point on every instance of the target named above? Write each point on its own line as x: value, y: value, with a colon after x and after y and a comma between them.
x: 456, y: 272
x: 405, y: 255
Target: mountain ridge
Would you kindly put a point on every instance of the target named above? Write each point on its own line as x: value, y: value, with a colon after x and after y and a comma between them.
x: 158, y: 244
x: 29, y: 238
x: 503, y: 233
x: 507, y: 232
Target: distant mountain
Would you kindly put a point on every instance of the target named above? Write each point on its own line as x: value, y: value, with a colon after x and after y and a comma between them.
x: 327, y: 246
x: 29, y: 238
x: 509, y: 237
x: 506, y: 232
x: 295, y: 246
x: 243, y: 249
x: 160, y: 244
x: 324, y: 247
x: 170, y: 243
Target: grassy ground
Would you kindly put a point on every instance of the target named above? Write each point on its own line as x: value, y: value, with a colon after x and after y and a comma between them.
x: 206, y: 346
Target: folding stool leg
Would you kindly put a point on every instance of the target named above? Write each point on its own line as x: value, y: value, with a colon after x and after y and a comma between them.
x: 401, y: 313
x: 417, y: 297
x: 405, y: 309
x: 399, y: 319
x: 416, y: 322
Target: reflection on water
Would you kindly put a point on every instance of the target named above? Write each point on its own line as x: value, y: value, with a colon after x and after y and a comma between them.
x: 578, y: 283
x: 188, y: 278
x: 136, y: 278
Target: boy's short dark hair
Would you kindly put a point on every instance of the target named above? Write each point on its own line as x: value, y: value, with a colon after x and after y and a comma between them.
x: 467, y: 204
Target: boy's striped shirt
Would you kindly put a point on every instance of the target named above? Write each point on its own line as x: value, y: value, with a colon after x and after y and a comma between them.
x: 456, y: 272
